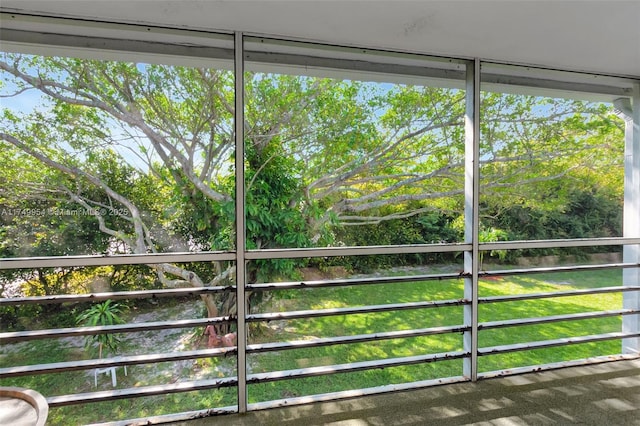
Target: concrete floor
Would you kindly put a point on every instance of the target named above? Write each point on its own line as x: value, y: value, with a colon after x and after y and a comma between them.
x: 600, y: 395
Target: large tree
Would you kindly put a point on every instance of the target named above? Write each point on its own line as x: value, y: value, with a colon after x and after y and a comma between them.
x: 148, y: 151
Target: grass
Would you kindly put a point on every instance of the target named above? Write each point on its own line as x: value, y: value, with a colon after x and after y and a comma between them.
x: 37, y: 352
x: 415, y: 319
x: 71, y: 349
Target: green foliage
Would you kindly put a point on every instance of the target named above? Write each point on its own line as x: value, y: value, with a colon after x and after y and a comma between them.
x: 275, y: 216
x: 102, y: 314
x: 425, y: 228
x: 35, y: 316
x: 11, y: 317
x: 586, y: 214
x: 131, y: 278
x: 492, y: 235
x: 155, y: 143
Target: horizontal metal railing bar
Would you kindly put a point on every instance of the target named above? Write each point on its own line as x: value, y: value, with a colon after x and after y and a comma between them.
x: 62, y: 400
x: 552, y: 294
x: 178, y: 292
x: 120, y: 295
x: 313, y: 313
x: 289, y: 402
x: 434, y: 248
x: 186, y: 257
x: 173, y: 417
x: 119, y: 361
x: 571, y: 242
x: 494, y: 350
x: 554, y: 269
x: 89, y: 397
x: 17, y: 336
x: 359, y: 338
x: 424, y: 277
x: 556, y: 365
x: 332, y: 396
x: 555, y: 318
x: 344, y: 282
x: 118, y: 259
x: 295, y: 253
x: 352, y: 367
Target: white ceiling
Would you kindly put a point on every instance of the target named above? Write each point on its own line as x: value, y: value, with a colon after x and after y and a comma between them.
x: 592, y: 36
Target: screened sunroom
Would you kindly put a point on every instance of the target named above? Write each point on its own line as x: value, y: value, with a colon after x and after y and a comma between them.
x: 217, y: 209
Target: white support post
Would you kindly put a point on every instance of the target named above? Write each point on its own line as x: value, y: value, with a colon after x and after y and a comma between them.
x: 240, y: 224
x: 631, y: 253
x: 471, y: 216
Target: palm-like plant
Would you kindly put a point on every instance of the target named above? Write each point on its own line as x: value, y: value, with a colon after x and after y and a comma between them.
x: 102, y: 314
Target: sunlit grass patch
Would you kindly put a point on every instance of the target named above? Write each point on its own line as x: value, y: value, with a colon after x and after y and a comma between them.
x: 355, y: 380
x: 534, y: 357
x: 364, y: 295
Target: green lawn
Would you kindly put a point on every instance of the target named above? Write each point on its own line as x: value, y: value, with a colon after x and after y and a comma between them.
x: 58, y: 350
x: 415, y: 319
x: 57, y: 384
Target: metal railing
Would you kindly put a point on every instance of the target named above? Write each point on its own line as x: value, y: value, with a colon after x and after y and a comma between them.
x: 252, y: 378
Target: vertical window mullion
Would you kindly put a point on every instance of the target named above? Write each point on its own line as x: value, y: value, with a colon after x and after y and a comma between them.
x: 471, y: 232
x: 631, y: 226
x: 240, y: 222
